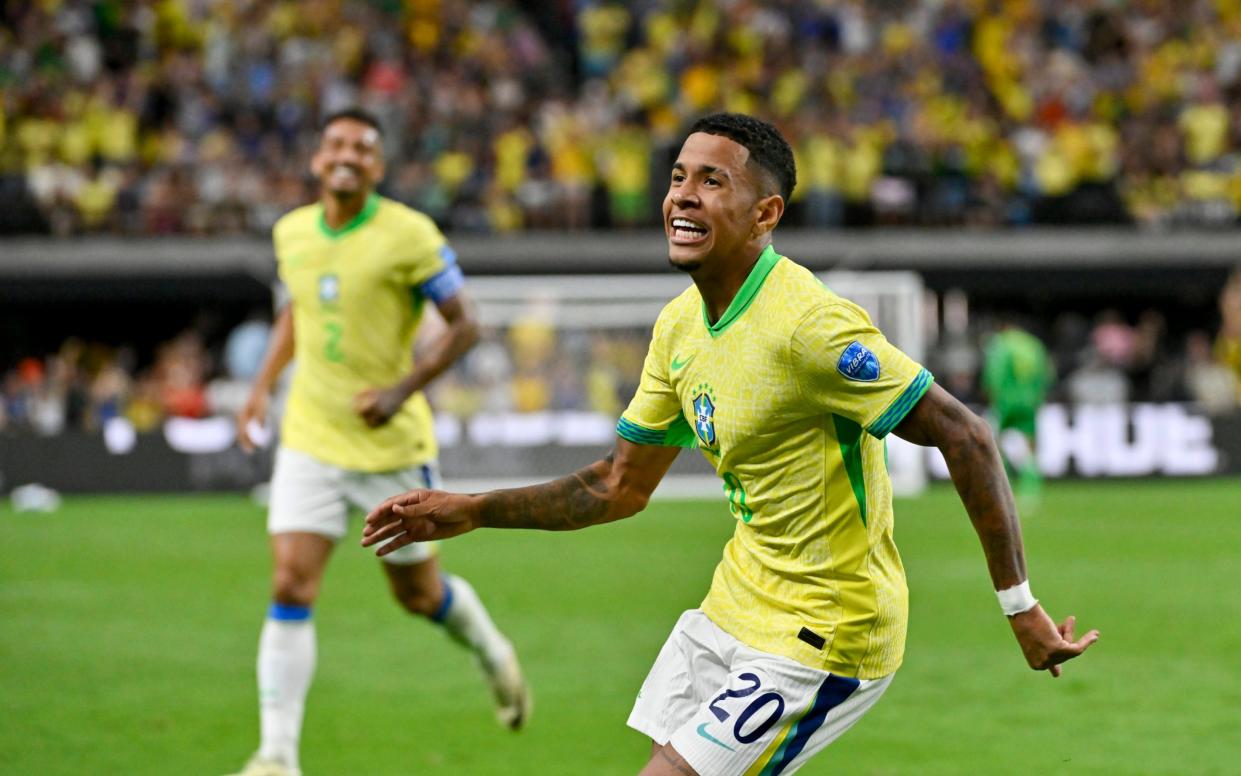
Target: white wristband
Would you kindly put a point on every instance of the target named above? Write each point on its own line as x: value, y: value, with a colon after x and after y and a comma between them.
x: 1016, y: 599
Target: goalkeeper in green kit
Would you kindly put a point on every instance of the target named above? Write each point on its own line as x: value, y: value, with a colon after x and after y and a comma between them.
x: 1017, y: 374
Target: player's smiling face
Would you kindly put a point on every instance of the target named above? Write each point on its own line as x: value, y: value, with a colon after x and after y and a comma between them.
x: 349, y: 160
x: 711, y: 208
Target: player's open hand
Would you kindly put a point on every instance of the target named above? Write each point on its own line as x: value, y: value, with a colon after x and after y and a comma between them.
x: 1045, y: 644
x: 376, y: 406
x: 418, y: 516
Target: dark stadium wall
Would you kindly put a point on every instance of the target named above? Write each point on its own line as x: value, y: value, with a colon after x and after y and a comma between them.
x: 40, y: 312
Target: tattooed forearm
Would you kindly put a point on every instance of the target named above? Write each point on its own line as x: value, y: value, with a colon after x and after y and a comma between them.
x: 581, y: 499
x: 978, y: 475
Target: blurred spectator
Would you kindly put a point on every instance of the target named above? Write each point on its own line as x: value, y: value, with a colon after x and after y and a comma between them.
x: 1208, y: 382
x: 1114, y: 341
x: 110, y: 393
x: 1150, y: 352
x: 196, y: 117
x: 1228, y: 343
x: 181, y: 368
x: 957, y: 362
x: 1097, y: 381
x: 1070, y: 342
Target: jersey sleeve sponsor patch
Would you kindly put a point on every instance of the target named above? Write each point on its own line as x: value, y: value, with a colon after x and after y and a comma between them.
x: 858, y: 363
x: 846, y: 367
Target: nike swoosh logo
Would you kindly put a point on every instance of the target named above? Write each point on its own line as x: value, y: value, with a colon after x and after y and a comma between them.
x: 678, y: 364
x: 702, y: 730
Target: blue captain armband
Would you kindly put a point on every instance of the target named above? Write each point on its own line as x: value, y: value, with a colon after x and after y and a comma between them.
x: 445, y: 284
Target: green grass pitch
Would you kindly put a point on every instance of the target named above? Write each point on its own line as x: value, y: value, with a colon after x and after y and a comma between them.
x: 128, y: 628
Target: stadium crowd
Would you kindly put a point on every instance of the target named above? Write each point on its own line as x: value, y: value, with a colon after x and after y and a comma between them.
x: 531, y: 366
x: 196, y: 116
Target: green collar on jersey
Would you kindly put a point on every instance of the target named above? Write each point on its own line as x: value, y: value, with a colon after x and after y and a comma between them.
x: 745, y: 295
x: 365, y: 214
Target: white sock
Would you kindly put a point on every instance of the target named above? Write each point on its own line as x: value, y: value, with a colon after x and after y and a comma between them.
x: 286, y: 665
x: 465, y: 618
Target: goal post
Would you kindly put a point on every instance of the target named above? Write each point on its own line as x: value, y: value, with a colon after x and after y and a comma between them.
x: 589, y: 332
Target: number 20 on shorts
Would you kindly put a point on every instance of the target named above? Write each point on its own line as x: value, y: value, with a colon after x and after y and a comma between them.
x: 769, y: 707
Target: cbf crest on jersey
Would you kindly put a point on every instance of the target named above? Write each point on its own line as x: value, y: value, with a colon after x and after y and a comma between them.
x: 329, y: 289
x: 858, y: 363
x: 704, y: 415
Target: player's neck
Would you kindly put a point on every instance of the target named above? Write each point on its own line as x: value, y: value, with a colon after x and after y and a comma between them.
x: 719, y: 285
x: 339, y: 210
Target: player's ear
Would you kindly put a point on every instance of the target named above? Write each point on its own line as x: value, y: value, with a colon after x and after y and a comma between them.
x: 769, y: 210
x: 317, y: 163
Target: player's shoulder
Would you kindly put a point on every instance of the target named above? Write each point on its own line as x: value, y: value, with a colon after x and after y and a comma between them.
x: 684, y: 307
x: 801, y: 297
x: 402, y: 217
x: 677, y: 316
x: 296, y: 220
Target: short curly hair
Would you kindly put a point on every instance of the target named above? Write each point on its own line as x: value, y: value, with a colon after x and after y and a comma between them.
x: 354, y: 113
x: 768, y: 148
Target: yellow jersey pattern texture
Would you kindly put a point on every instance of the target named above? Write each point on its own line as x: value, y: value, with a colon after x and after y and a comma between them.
x: 357, y: 295
x: 789, y: 395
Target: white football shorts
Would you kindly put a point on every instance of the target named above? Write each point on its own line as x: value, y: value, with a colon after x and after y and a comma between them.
x: 312, y: 496
x: 731, y: 710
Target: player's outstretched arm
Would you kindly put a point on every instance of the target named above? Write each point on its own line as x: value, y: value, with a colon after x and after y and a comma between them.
x: 977, y: 471
x: 378, y: 405
x: 279, y: 354
x: 613, y: 488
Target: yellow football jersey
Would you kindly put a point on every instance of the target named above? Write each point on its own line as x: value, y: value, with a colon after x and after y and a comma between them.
x: 357, y: 295
x: 789, y: 395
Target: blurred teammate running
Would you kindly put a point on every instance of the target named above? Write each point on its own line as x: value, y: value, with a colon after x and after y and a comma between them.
x: 357, y: 270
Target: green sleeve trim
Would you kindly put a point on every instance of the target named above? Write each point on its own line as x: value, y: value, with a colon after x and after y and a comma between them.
x: 767, y: 261
x: 676, y: 435
x: 896, y: 412
x: 639, y: 435
x: 680, y: 434
x: 365, y: 214
x: 849, y: 436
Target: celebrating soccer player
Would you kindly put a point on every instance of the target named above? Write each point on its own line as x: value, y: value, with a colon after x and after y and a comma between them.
x: 357, y: 426
x: 788, y: 390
